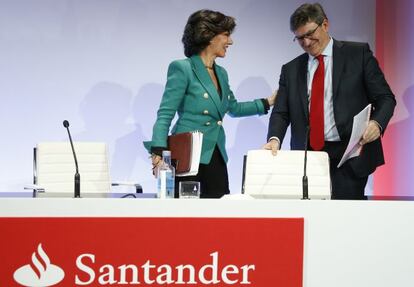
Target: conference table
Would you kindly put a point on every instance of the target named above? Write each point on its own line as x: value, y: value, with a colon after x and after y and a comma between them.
x: 233, y: 241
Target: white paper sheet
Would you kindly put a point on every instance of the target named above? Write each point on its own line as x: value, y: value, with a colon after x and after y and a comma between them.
x: 359, y: 126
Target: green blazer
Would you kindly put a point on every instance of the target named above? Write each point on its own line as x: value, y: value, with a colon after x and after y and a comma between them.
x: 191, y: 94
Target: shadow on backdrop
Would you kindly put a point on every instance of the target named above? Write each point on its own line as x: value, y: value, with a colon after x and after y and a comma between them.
x: 130, y: 159
x: 250, y: 133
x: 105, y: 110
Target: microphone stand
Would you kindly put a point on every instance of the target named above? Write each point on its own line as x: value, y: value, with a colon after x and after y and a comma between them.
x: 305, y: 194
x: 77, y: 175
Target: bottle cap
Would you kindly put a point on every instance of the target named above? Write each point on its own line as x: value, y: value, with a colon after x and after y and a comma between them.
x: 166, y: 153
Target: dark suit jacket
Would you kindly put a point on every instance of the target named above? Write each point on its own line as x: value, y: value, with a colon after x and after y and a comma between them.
x: 357, y: 81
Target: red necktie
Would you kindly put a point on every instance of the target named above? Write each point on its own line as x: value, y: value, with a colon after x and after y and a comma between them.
x: 316, y: 114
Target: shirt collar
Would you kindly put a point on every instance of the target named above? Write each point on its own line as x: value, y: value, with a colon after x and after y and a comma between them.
x: 327, y: 52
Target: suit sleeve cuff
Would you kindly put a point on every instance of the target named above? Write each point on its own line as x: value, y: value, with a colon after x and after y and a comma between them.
x: 274, y: 138
x: 379, y: 126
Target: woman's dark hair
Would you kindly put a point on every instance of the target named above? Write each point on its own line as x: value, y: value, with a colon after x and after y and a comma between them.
x: 201, y: 27
x: 307, y: 13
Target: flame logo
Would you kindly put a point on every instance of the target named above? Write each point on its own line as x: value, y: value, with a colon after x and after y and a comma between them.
x: 40, y: 272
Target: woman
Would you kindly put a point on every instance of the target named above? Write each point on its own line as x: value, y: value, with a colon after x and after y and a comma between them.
x: 198, y: 90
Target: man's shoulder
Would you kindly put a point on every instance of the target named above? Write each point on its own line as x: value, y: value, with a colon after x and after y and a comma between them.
x: 298, y: 60
x: 350, y: 45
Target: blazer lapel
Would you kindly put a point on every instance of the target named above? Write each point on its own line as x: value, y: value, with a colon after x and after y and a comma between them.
x: 302, y: 83
x: 338, y: 66
x: 204, y: 78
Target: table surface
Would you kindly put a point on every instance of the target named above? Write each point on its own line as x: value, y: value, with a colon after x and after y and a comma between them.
x: 347, y: 243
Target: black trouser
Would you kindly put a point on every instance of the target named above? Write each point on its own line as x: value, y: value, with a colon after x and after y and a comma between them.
x: 213, y: 177
x: 345, y: 184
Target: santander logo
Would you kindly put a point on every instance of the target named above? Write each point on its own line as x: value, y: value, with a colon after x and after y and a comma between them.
x: 40, y: 272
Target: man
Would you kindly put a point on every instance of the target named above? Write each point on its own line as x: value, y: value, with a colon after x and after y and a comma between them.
x: 324, y: 88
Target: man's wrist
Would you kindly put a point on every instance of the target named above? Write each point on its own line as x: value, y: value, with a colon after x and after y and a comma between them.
x: 276, y: 139
x: 378, y: 125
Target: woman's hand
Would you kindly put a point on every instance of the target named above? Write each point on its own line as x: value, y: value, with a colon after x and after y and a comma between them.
x: 271, y: 100
x: 156, y: 161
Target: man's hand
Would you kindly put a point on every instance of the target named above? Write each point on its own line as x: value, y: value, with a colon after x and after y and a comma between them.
x: 273, y: 145
x: 372, y: 132
x: 271, y: 100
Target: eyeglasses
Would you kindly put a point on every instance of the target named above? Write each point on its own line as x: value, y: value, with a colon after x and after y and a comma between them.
x: 306, y: 35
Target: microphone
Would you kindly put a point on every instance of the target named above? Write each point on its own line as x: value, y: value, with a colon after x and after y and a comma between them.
x: 77, y: 175
x: 305, y: 194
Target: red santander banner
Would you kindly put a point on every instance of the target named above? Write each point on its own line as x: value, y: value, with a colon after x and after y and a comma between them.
x: 259, y: 252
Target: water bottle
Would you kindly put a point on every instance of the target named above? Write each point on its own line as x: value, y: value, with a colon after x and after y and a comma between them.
x: 166, y: 177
